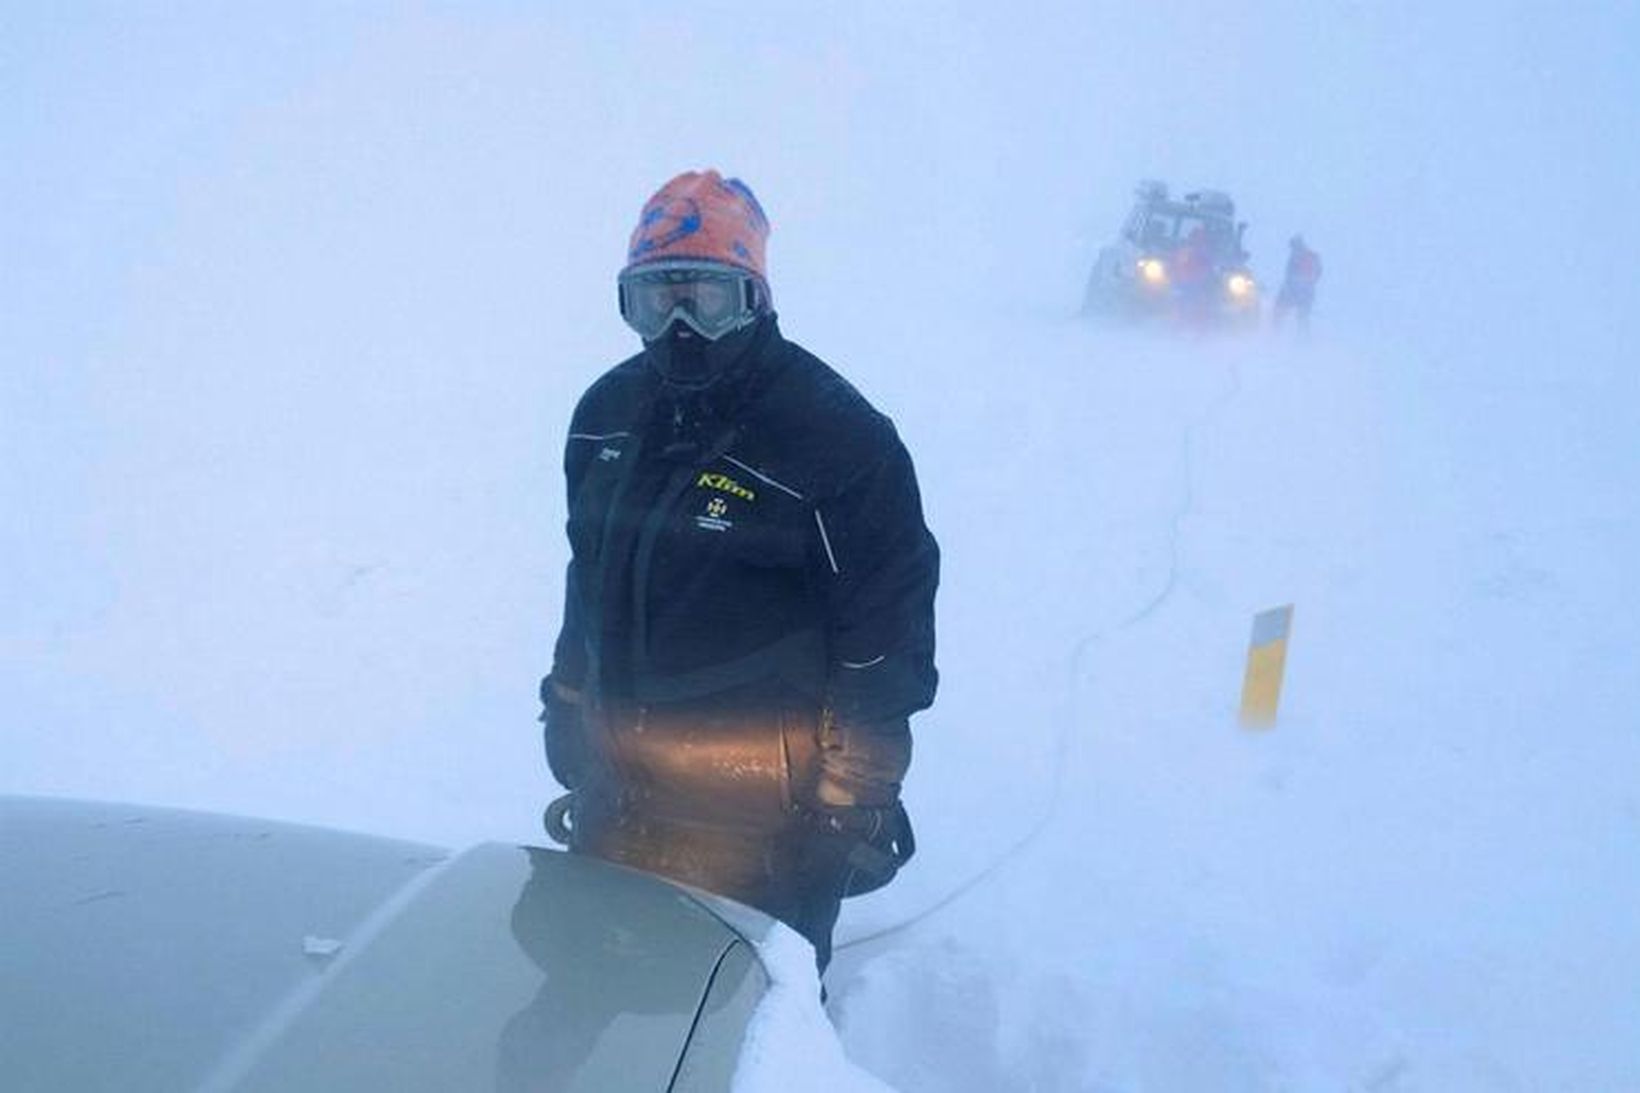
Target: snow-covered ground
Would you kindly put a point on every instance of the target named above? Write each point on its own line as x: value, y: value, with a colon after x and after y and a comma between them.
x: 1423, y: 878
x: 296, y: 301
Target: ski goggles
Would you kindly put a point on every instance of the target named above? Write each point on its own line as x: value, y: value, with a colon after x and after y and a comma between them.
x: 711, y: 299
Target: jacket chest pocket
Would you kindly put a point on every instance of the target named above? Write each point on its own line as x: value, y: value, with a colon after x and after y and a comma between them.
x: 761, y: 531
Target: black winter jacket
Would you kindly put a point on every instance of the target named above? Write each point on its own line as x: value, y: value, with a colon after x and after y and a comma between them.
x: 759, y: 542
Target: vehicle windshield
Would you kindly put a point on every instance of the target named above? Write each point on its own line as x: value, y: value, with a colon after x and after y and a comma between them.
x: 1164, y: 229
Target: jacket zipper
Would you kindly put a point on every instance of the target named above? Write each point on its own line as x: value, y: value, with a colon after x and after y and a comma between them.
x: 649, y: 534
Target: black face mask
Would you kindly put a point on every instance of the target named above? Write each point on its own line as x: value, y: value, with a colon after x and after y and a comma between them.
x: 688, y: 361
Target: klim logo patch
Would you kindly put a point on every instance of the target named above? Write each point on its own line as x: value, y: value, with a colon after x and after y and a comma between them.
x: 724, y: 484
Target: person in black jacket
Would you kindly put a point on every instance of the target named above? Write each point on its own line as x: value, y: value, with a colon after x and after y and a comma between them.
x: 749, y: 608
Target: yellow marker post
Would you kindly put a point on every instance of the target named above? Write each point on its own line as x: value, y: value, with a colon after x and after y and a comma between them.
x: 1266, y: 663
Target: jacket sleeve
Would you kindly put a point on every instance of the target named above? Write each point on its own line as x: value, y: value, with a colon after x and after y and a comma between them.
x: 562, y: 727
x: 883, y: 567
x: 569, y: 654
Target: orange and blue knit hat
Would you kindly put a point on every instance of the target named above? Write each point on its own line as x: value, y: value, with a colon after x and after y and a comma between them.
x: 702, y: 216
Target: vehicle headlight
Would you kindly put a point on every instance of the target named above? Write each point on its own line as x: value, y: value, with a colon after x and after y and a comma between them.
x: 1152, y: 272
x: 1240, y: 285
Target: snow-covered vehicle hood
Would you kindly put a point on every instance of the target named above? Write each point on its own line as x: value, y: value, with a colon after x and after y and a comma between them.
x: 148, y: 949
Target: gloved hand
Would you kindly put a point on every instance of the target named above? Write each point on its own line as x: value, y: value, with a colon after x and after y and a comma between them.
x: 563, y: 732
x: 869, y: 844
x: 857, y: 798
x: 862, y: 765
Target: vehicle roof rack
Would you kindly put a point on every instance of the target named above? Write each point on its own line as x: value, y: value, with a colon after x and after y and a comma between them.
x: 1216, y: 200
x: 1151, y: 189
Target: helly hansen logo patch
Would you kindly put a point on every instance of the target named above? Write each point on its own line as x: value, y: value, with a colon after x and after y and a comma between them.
x: 724, y: 484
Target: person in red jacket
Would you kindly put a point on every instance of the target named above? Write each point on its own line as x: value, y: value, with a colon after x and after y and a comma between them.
x: 1193, y: 268
x: 1298, y: 283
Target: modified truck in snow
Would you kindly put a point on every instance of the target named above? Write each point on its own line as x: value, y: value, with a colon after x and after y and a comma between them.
x: 1177, y: 260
